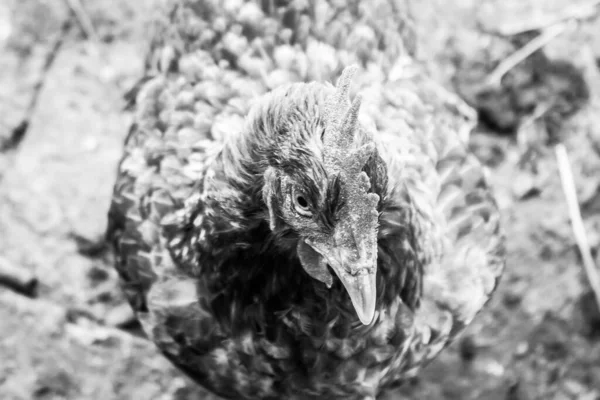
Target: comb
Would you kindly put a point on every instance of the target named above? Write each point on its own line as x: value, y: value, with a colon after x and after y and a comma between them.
x: 345, y: 158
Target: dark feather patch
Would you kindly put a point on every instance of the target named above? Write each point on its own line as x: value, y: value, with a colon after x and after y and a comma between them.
x: 333, y: 202
x: 376, y: 170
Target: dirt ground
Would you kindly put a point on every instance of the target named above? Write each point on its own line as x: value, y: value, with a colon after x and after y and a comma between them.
x: 73, y: 338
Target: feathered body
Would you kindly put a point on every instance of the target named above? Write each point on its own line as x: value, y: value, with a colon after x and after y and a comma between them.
x: 215, y: 281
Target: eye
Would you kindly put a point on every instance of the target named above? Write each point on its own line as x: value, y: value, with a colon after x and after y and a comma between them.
x: 301, y: 205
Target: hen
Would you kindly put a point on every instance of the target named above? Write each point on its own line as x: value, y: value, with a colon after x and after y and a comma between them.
x: 278, y: 240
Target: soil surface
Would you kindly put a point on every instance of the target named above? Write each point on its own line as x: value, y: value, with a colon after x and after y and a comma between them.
x: 72, y: 337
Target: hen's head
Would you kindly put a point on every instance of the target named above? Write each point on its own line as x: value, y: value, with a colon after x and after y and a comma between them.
x: 319, y: 185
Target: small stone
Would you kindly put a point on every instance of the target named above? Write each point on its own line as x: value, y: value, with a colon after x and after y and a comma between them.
x: 521, y: 350
x: 524, y: 186
x: 121, y: 316
x: 493, y: 368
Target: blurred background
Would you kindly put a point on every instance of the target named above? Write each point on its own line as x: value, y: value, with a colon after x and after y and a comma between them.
x: 531, y: 68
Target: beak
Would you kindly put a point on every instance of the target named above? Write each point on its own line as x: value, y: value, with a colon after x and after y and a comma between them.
x: 361, y: 288
x: 350, y: 250
x: 353, y: 258
x: 359, y: 282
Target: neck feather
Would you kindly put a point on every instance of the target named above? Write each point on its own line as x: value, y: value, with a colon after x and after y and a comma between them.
x: 223, y: 238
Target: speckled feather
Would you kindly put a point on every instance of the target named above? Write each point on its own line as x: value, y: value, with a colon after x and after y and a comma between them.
x: 222, y: 295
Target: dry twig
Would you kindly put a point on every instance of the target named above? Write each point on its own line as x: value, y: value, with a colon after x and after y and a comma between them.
x: 572, y: 12
x: 19, y: 279
x: 18, y: 133
x: 495, y: 78
x: 568, y: 184
x: 83, y: 19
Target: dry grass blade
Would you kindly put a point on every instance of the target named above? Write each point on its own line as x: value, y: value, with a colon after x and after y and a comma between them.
x: 83, y: 19
x: 17, y: 278
x: 495, y: 78
x: 568, y: 184
x: 575, y: 11
x: 19, y: 132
